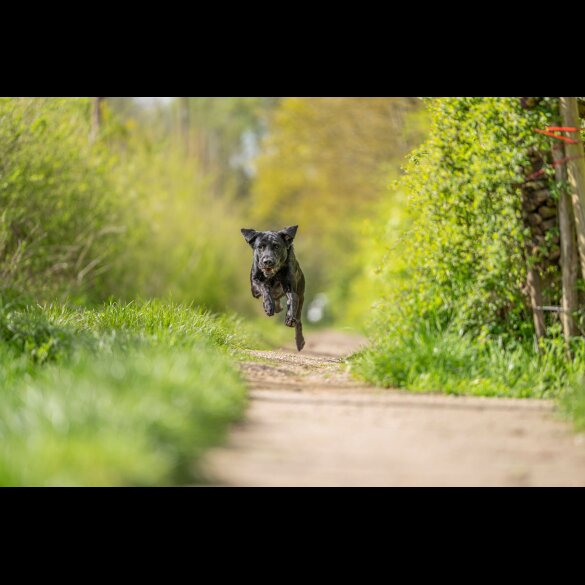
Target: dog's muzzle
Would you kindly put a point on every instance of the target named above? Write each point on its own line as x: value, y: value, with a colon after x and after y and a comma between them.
x: 268, y: 266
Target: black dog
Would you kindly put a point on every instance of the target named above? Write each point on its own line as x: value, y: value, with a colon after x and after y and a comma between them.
x: 276, y: 273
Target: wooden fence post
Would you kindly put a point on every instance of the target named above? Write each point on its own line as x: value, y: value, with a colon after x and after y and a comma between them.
x: 576, y: 172
x: 569, y: 256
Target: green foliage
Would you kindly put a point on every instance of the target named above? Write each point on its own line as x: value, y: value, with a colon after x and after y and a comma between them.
x: 151, y: 322
x: 182, y: 242
x: 573, y: 401
x: 432, y: 358
x: 465, y: 244
x: 378, y: 251
x: 30, y: 333
x: 59, y: 224
x: 221, y: 134
x: 183, y: 211
x: 127, y: 394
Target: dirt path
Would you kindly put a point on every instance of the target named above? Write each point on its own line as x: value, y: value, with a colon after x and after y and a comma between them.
x: 310, y: 424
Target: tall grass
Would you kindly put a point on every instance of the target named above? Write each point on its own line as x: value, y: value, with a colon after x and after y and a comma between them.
x: 572, y: 403
x: 434, y: 359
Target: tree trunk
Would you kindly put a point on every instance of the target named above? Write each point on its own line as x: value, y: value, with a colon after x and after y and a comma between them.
x: 184, y: 123
x: 569, y: 255
x: 96, y: 117
x: 576, y: 173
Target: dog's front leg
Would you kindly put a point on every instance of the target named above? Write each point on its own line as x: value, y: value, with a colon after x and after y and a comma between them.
x: 292, y: 303
x: 267, y: 298
x: 268, y: 303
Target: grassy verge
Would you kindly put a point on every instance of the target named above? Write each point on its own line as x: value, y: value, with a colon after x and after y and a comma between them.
x: 119, y: 395
x: 572, y: 403
x: 429, y: 360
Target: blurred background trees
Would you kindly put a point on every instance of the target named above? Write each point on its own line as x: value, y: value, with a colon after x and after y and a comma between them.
x: 326, y: 164
x: 145, y: 197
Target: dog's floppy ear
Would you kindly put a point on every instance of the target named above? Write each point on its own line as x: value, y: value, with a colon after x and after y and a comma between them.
x: 249, y: 235
x: 288, y: 233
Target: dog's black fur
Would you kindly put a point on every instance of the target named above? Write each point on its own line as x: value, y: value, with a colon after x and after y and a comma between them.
x: 276, y: 273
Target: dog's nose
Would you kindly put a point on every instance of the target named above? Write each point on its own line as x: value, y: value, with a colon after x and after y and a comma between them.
x: 268, y: 262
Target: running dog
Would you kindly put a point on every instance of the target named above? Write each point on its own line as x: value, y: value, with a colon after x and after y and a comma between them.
x: 276, y: 274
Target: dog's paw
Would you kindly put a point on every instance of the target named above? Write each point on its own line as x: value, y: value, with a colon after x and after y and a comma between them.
x: 269, y: 308
x: 300, y: 344
x: 290, y: 321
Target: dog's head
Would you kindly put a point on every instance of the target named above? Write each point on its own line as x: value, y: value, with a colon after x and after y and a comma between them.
x: 270, y: 248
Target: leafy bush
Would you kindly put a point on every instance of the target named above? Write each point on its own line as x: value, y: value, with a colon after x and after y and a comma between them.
x: 454, y: 316
x: 465, y: 247
x: 59, y: 223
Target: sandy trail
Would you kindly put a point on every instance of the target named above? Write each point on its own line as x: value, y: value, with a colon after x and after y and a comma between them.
x: 310, y: 424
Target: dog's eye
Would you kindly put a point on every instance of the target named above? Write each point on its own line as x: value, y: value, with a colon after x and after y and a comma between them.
x: 276, y: 246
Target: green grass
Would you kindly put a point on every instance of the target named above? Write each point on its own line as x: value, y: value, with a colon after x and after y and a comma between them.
x: 430, y: 360
x: 572, y: 402
x: 118, y: 395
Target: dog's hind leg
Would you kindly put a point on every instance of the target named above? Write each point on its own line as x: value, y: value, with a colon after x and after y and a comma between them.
x: 277, y: 306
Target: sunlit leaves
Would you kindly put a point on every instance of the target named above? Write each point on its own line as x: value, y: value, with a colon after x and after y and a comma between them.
x: 59, y: 203
x: 466, y: 246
